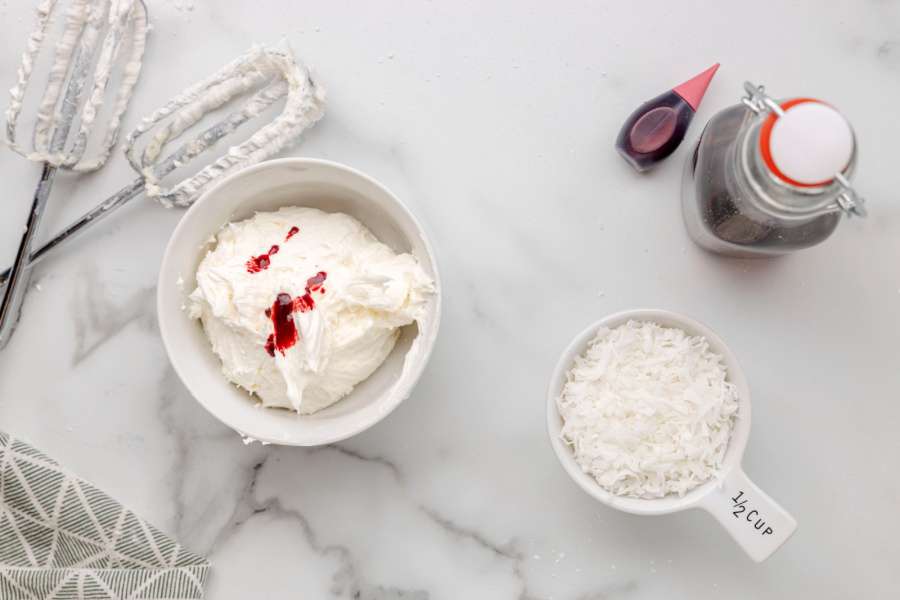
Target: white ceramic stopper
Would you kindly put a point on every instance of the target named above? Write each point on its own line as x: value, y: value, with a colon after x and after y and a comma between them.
x: 811, y: 143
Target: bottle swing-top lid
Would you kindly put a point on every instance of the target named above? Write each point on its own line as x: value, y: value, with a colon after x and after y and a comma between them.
x: 806, y: 143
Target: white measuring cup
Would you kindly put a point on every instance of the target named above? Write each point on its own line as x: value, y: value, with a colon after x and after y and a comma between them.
x: 755, y: 521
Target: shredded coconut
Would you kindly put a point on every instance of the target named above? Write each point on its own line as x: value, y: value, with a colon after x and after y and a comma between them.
x: 648, y: 410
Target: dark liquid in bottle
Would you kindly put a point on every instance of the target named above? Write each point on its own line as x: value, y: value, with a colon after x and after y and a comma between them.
x: 724, y: 211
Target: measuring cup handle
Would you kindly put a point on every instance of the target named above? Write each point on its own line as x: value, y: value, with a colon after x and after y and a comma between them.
x: 756, y: 522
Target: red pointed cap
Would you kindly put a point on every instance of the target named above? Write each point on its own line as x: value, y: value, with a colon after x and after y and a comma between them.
x: 692, y: 90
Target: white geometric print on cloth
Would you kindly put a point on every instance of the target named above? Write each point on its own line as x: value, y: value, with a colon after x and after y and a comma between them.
x: 62, y: 538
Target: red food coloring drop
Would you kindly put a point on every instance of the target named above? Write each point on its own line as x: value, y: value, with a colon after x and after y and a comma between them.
x: 281, y: 314
x: 314, y: 283
x: 285, y: 334
x: 261, y: 262
x: 305, y: 303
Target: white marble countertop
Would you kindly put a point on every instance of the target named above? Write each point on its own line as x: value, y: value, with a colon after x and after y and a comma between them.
x: 495, y: 123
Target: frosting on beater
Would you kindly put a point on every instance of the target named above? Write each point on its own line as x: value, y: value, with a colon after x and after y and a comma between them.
x: 85, y: 21
x: 279, y: 75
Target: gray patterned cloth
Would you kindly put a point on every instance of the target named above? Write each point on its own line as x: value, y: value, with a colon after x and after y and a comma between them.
x: 62, y: 538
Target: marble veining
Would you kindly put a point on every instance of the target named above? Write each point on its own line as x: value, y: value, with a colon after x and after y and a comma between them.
x: 495, y: 124
x: 100, y: 316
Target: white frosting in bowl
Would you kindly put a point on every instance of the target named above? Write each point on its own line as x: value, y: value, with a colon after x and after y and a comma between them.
x: 267, y: 187
x: 301, y: 305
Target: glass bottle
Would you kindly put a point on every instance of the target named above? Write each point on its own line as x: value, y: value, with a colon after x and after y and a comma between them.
x: 755, y: 188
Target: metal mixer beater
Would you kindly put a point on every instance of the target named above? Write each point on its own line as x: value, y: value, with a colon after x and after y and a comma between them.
x: 100, y: 40
x: 264, y: 76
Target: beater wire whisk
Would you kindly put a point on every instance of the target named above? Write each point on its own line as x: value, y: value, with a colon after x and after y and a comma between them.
x: 91, y: 43
x: 268, y: 75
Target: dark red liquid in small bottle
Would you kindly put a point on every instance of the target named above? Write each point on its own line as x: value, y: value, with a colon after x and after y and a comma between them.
x: 657, y: 127
x: 654, y: 130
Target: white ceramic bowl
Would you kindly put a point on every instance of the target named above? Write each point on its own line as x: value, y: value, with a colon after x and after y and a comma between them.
x: 292, y: 182
x: 770, y: 525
